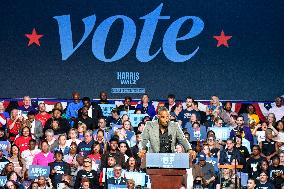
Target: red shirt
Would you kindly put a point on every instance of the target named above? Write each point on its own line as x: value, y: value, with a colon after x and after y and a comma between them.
x: 94, y: 157
x: 23, y: 142
x: 42, y: 118
x: 14, y: 131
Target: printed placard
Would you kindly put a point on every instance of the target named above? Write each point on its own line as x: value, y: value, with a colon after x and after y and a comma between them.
x: 2, y: 165
x: 139, y: 178
x: 106, y: 109
x: 135, y: 119
x: 222, y: 133
x: 37, y: 170
x: 112, y: 186
x: 3, y: 180
x: 4, y: 145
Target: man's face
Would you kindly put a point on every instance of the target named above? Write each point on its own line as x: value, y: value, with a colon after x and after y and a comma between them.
x: 171, y: 101
x: 251, y: 184
x: 228, y: 106
x: 56, y: 114
x: 87, y: 104
x: 263, y: 177
x: 202, y: 162
x: 269, y: 135
x: 117, y: 172
x: 164, y: 118
x: 145, y: 99
x: 127, y: 102
x: 122, y: 148
x: 255, y: 151
x: 240, y: 121
x: 103, y: 96
x: 281, y: 156
x: 58, y: 157
x: 188, y: 102
x: 113, y: 145
x: 45, y: 147
x: 27, y: 101
x: 275, y: 162
x: 31, y: 118
x: 111, y: 161
x: 278, y: 102
x: 76, y: 97
x: 88, y: 137
x: 102, y: 123
x: 41, y: 107
x: 230, y: 145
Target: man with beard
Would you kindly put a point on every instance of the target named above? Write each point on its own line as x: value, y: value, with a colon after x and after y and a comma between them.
x: 85, y: 118
x: 163, y: 134
x: 253, y: 162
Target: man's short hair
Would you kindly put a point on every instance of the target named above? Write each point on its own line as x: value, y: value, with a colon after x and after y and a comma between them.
x: 162, y: 109
x: 117, y: 166
x: 86, y: 99
x: 171, y: 96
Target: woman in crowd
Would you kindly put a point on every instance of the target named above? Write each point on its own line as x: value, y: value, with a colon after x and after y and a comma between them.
x: 146, y: 106
x: 3, y: 116
x: 96, y: 155
x: 71, y: 158
x: 214, y: 105
x: 23, y: 140
x: 9, y: 167
x: 131, y: 165
x: 13, y: 176
x: 16, y: 159
x: 124, y: 149
x: 73, y: 137
x: 45, y: 156
x: 82, y: 128
x: 177, y: 113
x: 44, y: 183
x: 51, y: 140
x: 62, y: 145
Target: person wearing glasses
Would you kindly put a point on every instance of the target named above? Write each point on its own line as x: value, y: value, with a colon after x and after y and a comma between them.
x: 117, y: 179
x: 87, y: 173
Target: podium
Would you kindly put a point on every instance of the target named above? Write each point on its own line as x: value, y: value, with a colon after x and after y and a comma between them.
x: 167, y: 170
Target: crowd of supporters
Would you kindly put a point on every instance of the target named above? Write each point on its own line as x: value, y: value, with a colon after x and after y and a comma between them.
x: 79, y: 143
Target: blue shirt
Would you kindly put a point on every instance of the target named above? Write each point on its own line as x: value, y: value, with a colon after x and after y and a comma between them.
x: 72, y: 109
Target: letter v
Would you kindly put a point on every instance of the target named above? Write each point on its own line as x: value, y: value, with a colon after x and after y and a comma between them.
x: 65, y: 33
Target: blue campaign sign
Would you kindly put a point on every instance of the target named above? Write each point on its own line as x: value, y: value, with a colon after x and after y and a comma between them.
x: 2, y: 165
x: 4, y: 145
x: 222, y: 133
x: 127, y: 112
x: 106, y: 109
x: 135, y: 119
x: 214, y: 162
x: 3, y: 180
x: 112, y: 186
x: 36, y: 170
x: 115, y: 127
x: 167, y: 160
x: 139, y: 178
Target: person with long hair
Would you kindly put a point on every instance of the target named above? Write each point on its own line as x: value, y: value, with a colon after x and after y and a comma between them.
x: 16, y: 159
x: 214, y: 105
x: 95, y: 155
x: 71, y: 158
x: 23, y: 140
x: 124, y: 149
x: 9, y: 167
x: 11, y: 185
x: 131, y: 165
x: 44, y: 183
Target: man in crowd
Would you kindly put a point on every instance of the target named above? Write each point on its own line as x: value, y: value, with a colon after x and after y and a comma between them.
x: 73, y: 107
x: 42, y: 115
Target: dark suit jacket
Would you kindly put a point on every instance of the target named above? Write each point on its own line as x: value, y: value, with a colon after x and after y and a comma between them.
x: 96, y: 113
x: 112, y: 181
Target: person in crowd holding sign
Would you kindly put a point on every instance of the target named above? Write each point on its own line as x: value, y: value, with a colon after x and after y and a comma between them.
x: 102, y: 125
x: 16, y: 159
x: 29, y: 154
x: 163, y: 134
x: 118, y: 179
x: 114, y: 119
x: 95, y: 155
x: 126, y: 105
x: 276, y: 172
x: 45, y: 156
x: 58, y: 168
x: 2, y: 157
x: 146, y: 106
x: 87, y: 173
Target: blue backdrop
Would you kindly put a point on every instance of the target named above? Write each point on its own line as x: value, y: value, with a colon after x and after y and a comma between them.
x: 250, y: 68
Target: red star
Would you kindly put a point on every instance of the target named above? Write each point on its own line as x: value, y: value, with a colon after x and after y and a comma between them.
x: 33, y: 38
x: 222, y: 39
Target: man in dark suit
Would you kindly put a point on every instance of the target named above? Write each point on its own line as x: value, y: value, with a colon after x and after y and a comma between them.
x: 117, y: 179
x: 94, y: 110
